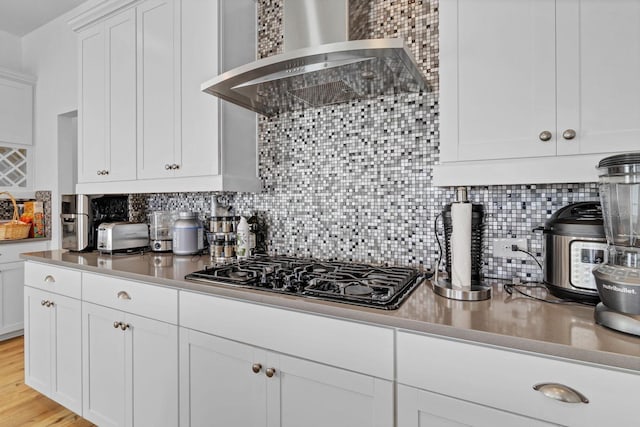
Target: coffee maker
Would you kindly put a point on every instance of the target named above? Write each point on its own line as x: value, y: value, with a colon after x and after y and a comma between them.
x: 618, y: 280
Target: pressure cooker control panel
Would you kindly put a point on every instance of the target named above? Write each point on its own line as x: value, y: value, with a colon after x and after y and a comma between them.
x: 585, y: 256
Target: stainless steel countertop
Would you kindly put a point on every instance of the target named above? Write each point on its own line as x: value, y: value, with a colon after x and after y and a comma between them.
x: 514, y: 322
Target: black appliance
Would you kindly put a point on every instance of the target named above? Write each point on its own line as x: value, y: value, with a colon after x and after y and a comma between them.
x: 352, y: 283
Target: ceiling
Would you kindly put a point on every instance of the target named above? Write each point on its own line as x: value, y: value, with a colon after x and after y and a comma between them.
x: 20, y: 17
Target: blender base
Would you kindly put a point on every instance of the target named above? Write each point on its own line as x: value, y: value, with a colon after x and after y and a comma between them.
x: 627, y: 323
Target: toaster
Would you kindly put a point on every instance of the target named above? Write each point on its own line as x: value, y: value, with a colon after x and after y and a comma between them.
x: 122, y: 237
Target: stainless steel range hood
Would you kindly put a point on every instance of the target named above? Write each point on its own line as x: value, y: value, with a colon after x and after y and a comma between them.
x: 328, y: 70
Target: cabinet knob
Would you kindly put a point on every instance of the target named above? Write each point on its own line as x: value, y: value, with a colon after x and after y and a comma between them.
x: 106, y: 172
x: 545, y: 136
x: 123, y: 295
x: 256, y: 368
x: 175, y: 166
x: 116, y: 325
x: 98, y: 172
x: 49, y: 279
x: 124, y: 326
x: 569, y: 134
x: 270, y: 372
x: 50, y: 304
x: 167, y: 167
x: 560, y: 392
x: 43, y: 302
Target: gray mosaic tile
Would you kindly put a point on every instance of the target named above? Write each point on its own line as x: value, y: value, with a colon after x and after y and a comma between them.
x: 353, y: 181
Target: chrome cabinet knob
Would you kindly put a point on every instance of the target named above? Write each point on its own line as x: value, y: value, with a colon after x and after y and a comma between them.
x: 569, y: 134
x: 49, y: 279
x: 106, y: 172
x: 124, y: 326
x: 256, y: 368
x: 545, y: 136
x: 167, y: 167
x: 270, y: 372
x: 175, y: 166
x: 50, y: 304
x: 116, y: 325
x: 560, y: 392
x: 43, y: 303
x: 98, y: 172
x: 123, y: 295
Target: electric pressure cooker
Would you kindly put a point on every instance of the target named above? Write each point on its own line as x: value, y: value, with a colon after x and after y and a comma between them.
x: 574, y: 244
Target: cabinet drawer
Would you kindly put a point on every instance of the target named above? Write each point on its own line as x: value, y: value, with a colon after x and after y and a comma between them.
x: 133, y: 297
x: 53, y: 279
x: 504, y: 379
x: 355, y: 346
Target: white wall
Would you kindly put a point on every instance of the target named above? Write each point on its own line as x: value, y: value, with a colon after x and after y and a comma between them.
x: 11, y: 53
x: 49, y: 53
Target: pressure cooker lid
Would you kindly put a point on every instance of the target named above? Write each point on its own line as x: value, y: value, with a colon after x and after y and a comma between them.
x: 621, y: 163
x: 583, y: 219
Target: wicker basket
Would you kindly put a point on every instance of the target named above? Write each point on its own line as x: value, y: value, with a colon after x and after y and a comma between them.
x: 14, y: 229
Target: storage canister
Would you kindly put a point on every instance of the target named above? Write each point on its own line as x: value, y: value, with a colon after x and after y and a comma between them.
x: 187, y: 234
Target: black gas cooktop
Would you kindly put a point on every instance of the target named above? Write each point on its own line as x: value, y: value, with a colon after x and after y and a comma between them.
x: 360, y: 284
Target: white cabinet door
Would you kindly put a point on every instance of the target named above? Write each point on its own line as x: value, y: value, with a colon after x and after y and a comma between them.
x: 66, y: 352
x: 11, y: 297
x: 304, y: 393
x: 218, y: 385
x: 158, y: 83
x: 419, y: 408
x: 497, y: 79
x: 53, y: 346
x: 130, y: 366
x: 104, y: 363
x: 154, y: 371
x: 598, y: 68
x: 199, y: 61
x: 120, y: 38
x: 93, y: 152
x: 37, y: 340
x: 16, y: 111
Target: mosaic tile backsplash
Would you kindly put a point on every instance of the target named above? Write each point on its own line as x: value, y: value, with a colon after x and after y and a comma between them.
x: 353, y: 181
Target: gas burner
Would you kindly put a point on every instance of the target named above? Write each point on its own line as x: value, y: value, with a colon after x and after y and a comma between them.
x: 360, y: 284
x: 358, y: 289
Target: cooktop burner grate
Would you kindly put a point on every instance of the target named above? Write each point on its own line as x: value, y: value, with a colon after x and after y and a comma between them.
x: 360, y: 284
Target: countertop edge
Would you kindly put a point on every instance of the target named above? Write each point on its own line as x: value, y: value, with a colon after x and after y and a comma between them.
x: 375, y: 317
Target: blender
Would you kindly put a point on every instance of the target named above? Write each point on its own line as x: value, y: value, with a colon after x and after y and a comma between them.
x: 618, y: 280
x: 160, y: 224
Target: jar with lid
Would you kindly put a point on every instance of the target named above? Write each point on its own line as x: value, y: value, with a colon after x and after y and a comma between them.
x: 230, y: 247
x: 188, y: 234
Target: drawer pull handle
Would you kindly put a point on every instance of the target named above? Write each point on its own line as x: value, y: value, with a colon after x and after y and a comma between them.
x: 49, y: 279
x: 123, y: 295
x: 256, y: 368
x: 270, y: 372
x: 561, y: 393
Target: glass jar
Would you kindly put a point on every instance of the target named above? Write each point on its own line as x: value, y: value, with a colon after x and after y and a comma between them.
x: 230, y: 247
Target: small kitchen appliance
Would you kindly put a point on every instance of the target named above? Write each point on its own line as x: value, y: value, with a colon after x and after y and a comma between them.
x: 574, y: 243
x: 351, y: 283
x: 463, y: 228
x: 160, y: 231
x: 618, y: 280
x: 114, y: 237
x: 81, y: 215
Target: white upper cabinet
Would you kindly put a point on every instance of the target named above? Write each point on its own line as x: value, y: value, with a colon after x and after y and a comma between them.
x: 536, y: 91
x: 16, y: 108
x: 107, y: 115
x: 141, y: 103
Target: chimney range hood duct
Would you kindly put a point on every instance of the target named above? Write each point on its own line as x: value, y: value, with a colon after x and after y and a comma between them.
x: 324, y: 67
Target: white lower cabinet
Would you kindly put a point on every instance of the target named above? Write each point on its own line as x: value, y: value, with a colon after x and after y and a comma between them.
x: 436, y: 373
x: 11, y: 307
x: 130, y: 369
x: 52, y: 344
x: 421, y: 408
x: 226, y: 383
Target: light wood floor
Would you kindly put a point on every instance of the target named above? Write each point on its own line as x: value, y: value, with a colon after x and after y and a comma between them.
x: 22, y: 406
